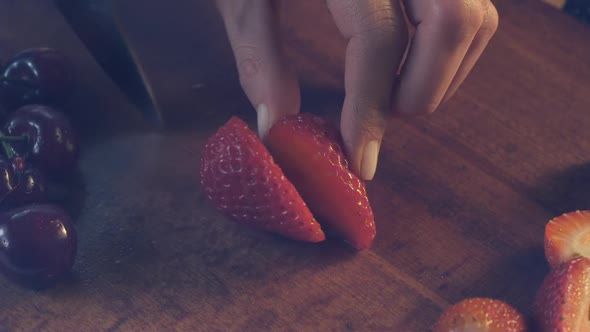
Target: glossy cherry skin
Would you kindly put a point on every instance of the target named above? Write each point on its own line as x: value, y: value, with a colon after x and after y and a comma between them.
x: 31, y: 187
x: 36, y: 75
x: 37, y: 242
x: 51, y: 143
x: 20, y: 183
x: 8, y: 180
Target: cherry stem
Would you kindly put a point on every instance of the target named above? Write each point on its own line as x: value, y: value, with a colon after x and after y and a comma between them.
x: 12, y: 138
x: 8, y: 150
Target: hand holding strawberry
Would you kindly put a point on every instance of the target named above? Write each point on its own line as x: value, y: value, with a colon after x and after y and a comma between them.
x: 241, y: 178
x: 310, y: 152
x: 305, y: 172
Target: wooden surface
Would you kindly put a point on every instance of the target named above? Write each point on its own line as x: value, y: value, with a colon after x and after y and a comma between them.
x: 460, y: 197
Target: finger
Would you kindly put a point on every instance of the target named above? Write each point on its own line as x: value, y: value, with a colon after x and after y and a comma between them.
x: 267, y: 79
x: 480, y: 42
x: 377, y: 38
x: 444, y: 32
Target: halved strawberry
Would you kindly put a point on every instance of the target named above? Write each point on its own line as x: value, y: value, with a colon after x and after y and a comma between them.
x: 567, y: 236
x: 481, y: 315
x: 242, y: 180
x: 562, y: 302
x: 309, y: 151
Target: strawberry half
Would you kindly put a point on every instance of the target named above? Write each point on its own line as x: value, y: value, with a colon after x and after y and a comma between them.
x: 242, y: 180
x: 562, y: 302
x: 481, y: 315
x: 309, y: 151
x: 567, y: 236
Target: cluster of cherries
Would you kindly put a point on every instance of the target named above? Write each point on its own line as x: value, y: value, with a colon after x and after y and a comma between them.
x: 38, y: 242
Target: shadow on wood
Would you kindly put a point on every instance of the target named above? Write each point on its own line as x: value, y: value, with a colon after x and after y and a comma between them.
x: 567, y: 190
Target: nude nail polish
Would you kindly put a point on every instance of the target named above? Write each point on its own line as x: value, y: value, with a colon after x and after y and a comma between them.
x: 369, y: 160
x: 262, y: 111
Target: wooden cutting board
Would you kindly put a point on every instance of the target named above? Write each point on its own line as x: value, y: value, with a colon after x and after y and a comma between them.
x: 461, y: 197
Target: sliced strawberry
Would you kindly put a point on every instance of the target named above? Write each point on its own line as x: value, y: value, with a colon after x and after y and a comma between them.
x: 309, y: 151
x: 562, y: 302
x: 567, y: 236
x: 481, y: 315
x: 242, y: 180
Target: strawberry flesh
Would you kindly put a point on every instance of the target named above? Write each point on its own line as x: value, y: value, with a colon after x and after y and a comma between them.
x: 310, y: 153
x: 481, y: 315
x: 562, y: 303
x: 240, y: 177
x: 567, y: 236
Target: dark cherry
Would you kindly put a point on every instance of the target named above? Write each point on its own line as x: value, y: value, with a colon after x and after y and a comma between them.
x: 37, y: 243
x: 36, y: 75
x: 50, y: 141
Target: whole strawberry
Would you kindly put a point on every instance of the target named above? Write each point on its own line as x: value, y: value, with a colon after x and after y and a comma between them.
x: 310, y: 153
x: 240, y: 177
x: 481, y: 315
x: 562, y: 301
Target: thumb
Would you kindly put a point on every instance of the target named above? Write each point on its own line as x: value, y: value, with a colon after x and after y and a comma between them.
x: 265, y: 76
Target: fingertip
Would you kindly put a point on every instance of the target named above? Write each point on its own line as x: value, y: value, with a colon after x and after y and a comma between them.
x: 368, y: 164
x: 363, y: 145
x: 263, y: 120
x: 277, y: 107
x: 364, y: 158
x: 280, y: 102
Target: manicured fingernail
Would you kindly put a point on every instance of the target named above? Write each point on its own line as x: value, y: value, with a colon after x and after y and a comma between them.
x: 262, y: 120
x: 369, y: 161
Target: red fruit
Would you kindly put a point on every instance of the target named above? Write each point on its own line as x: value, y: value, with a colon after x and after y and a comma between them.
x: 567, y: 236
x: 38, y: 243
x: 481, y: 314
x: 242, y: 180
x: 51, y: 143
x: 563, y: 300
x: 309, y: 151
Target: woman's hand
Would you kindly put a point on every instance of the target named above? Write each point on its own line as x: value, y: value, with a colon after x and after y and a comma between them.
x: 448, y: 37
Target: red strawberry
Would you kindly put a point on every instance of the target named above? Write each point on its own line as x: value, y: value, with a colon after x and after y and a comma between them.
x: 562, y: 301
x: 310, y: 153
x: 242, y: 180
x: 567, y: 236
x: 480, y: 315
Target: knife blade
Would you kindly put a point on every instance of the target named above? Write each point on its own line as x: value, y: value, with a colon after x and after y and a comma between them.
x: 95, y: 24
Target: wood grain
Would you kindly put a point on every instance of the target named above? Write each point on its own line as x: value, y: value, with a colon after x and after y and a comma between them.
x: 461, y: 197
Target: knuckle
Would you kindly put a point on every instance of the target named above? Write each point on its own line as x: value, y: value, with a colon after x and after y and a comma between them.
x: 383, y: 24
x: 460, y: 19
x: 371, y: 127
x: 370, y: 118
